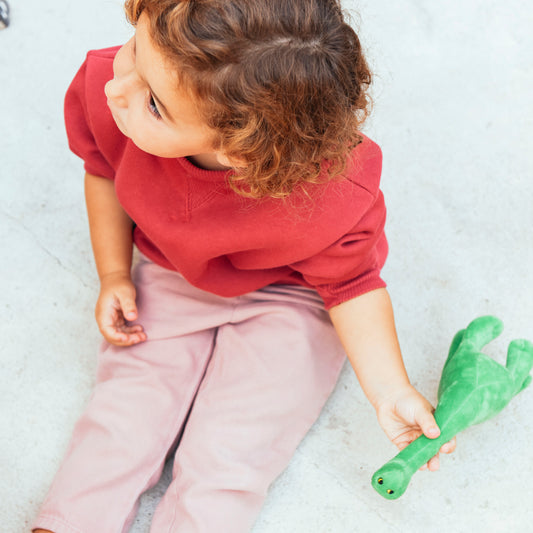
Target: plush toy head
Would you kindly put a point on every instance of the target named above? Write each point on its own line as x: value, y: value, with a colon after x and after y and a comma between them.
x: 391, y: 480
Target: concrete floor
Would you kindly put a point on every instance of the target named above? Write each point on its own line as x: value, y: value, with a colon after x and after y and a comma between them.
x: 453, y: 114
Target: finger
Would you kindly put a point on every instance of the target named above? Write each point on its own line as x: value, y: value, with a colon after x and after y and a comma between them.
x: 428, y: 425
x: 434, y: 464
x: 113, y: 335
x: 127, y: 304
x: 135, y: 333
x: 134, y: 328
x: 120, y: 338
x: 403, y: 440
x: 402, y: 445
x: 135, y: 338
x: 449, y: 447
x: 117, y: 331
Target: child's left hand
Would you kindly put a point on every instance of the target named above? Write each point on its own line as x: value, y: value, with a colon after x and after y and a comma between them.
x: 405, y: 415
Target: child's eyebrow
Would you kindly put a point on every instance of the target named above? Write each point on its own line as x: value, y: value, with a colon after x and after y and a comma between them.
x: 160, y: 105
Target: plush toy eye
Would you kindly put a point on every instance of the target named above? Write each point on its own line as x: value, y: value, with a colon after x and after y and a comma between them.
x: 390, y: 491
x: 380, y: 481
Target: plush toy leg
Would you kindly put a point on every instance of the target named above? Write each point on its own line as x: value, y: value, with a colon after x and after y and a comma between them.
x: 481, y: 331
x: 520, y: 362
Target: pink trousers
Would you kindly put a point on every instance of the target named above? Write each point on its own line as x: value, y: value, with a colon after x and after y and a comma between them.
x: 237, y: 382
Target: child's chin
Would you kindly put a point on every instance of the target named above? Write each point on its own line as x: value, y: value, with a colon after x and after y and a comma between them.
x: 120, y: 126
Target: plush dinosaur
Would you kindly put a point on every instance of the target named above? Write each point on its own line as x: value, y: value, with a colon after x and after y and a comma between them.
x: 473, y: 388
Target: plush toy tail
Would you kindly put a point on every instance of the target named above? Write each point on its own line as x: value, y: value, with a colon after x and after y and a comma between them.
x: 520, y: 362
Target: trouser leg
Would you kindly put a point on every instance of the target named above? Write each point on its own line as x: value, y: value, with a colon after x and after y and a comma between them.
x: 272, y: 369
x: 141, y: 399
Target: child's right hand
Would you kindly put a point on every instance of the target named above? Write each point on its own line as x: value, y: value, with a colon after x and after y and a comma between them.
x: 116, y: 309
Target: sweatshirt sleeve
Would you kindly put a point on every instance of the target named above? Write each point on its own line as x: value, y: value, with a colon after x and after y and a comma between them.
x: 351, y: 265
x: 80, y: 134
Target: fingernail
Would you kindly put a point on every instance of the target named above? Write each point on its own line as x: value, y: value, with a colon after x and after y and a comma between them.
x: 433, y: 432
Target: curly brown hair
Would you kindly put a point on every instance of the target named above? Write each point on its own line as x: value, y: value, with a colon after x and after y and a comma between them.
x: 283, y: 83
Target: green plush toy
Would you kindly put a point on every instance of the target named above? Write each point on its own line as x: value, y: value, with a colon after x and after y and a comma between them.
x: 473, y: 388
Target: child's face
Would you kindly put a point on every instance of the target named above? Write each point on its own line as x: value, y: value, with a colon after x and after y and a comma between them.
x: 149, y: 108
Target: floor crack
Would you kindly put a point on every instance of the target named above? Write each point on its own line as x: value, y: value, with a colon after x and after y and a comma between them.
x: 35, y: 238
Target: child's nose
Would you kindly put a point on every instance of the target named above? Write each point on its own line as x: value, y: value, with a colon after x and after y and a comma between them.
x: 115, y: 91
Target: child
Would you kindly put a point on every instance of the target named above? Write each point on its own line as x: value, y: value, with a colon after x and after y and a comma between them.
x: 222, y: 141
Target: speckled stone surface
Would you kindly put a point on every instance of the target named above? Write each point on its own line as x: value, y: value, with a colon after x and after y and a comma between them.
x: 453, y: 114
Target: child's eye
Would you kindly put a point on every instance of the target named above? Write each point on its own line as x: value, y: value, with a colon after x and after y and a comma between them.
x: 153, y: 107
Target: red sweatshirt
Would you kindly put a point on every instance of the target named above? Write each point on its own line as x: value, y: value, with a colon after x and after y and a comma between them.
x: 188, y: 219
